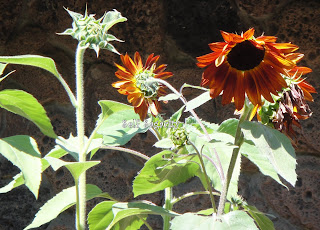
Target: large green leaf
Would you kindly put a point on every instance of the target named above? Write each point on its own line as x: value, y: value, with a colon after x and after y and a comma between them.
x: 275, y: 146
x: 118, y: 123
x: 18, y: 179
x: 23, y: 152
x: 25, y: 105
x: 101, y: 215
x: 123, y: 210
x: 236, y: 220
x: 75, y: 168
x: 160, y: 172
x: 60, y: 203
x: 249, y: 150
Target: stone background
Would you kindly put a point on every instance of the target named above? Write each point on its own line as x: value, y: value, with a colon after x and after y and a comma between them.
x: 178, y: 30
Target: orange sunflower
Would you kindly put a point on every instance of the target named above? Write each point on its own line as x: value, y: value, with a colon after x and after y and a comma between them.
x: 137, y: 82
x: 245, y: 65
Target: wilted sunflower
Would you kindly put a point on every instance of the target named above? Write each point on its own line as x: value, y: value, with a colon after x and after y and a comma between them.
x: 245, y: 65
x: 137, y: 82
x: 292, y: 108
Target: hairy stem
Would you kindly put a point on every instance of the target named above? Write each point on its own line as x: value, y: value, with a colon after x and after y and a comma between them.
x: 168, y: 206
x: 238, y: 140
x: 206, y: 177
x: 133, y: 152
x: 81, y: 216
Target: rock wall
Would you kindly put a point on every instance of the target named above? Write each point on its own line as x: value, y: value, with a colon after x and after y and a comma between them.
x: 178, y: 30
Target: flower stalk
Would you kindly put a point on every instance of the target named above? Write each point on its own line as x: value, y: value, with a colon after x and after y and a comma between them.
x: 81, y: 193
x: 238, y: 140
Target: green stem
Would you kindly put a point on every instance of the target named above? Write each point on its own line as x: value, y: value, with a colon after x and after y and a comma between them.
x: 213, y: 203
x: 133, y: 152
x: 167, y: 206
x: 68, y: 91
x: 176, y: 200
x: 238, y: 140
x: 80, y: 133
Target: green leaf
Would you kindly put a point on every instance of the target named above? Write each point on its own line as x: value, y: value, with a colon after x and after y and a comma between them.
x: 275, y: 146
x: 59, y: 203
x: 262, y: 221
x: 165, y: 143
x: 101, y: 215
x: 236, y: 220
x: 25, y: 105
x: 177, y: 115
x: 16, y: 182
x: 124, y: 210
x: 159, y: 173
x: 71, y: 145
x: 169, y: 97
x: 75, y: 168
x: 192, y: 221
x: 198, y: 101
x: 113, y: 17
x: 249, y: 150
x: 118, y: 123
x: 23, y: 152
x: 18, y: 179
x: 33, y: 60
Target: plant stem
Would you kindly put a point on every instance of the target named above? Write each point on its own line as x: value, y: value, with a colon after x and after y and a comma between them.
x: 176, y: 200
x: 206, y: 177
x: 167, y: 206
x: 81, y: 216
x: 133, y: 152
x: 68, y: 90
x: 238, y: 140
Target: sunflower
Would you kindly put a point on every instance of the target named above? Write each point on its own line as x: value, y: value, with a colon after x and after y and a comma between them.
x: 245, y: 65
x: 137, y: 82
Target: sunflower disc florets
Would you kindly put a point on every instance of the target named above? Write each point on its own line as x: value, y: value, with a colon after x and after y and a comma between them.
x: 92, y: 33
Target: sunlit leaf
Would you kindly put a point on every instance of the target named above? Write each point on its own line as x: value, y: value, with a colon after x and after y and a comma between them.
x: 59, y: 203
x: 236, y: 220
x: 160, y: 172
x: 140, y: 208
x: 275, y: 146
x: 71, y: 145
x: 198, y: 101
x: 18, y: 179
x: 118, y: 123
x: 75, y: 168
x: 23, y: 152
x: 25, y: 105
x: 33, y: 60
x: 101, y: 215
x: 249, y: 150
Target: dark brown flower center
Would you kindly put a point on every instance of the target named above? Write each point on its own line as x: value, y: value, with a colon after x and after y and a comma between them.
x: 245, y: 56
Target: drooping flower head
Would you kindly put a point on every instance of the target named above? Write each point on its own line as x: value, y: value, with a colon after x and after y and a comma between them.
x: 137, y: 81
x: 244, y: 65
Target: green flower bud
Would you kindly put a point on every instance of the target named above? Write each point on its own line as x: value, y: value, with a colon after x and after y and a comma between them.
x: 179, y: 137
x: 92, y: 33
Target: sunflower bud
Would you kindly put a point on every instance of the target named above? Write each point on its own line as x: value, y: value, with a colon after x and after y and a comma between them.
x: 92, y: 33
x: 179, y: 136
